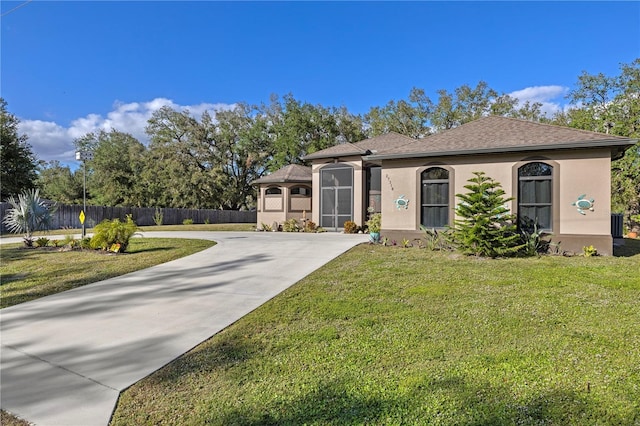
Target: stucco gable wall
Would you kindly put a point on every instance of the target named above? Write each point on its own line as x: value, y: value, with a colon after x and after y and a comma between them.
x: 577, y: 172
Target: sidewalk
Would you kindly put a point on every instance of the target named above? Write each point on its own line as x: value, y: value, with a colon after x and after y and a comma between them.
x: 66, y: 357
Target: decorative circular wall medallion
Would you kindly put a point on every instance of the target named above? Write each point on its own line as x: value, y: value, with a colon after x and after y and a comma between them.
x: 583, y: 204
x: 402, y: 203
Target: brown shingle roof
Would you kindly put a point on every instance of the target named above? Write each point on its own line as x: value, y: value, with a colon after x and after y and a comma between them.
x: 378, y: 144
x: 290, y: 173
x: 500, y: 134
x: 386, y: 142
x: 342, y: 150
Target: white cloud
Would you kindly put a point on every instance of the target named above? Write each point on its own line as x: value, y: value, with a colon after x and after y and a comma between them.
x: 52, y: 141
x: 551, y: 97
x: 48, y: 140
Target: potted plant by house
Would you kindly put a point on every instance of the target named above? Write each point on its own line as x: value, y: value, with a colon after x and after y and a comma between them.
x: 374, y: 224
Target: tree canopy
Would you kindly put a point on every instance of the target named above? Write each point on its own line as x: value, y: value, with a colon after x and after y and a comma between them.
x: 17, y: 162
x: 59, y: 183
x: 114, y: 173
x: 611, y: 104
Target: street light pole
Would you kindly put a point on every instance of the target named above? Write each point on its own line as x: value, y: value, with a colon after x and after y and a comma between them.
x: 84, y: 156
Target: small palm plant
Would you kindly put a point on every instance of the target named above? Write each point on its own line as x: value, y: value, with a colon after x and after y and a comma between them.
x: 113, y: 235
x: 28, y: 214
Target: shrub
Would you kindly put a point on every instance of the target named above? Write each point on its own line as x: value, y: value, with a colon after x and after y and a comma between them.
x: 187, y: 222
x: 158, y: 216
x: 485, y: 228
x: 290, y: 225
x: 375, y: 222
x: 350, y: 227
x: 207, y: 221
x: 436, y: 240
x: 85, y: 243
x: 110, y: 232
x: 69, y: 241
x: 42, y: 242
x: 589, y: 251
x: 265, y: 227
x: 532, y: 241
x: 310, y: 226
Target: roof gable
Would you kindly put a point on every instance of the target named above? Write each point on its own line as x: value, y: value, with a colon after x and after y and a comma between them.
x: 501, y: 134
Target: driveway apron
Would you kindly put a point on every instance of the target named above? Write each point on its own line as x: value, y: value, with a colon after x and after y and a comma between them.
x: 65, y: 358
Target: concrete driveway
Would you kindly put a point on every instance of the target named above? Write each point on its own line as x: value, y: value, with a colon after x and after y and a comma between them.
x: 65, y: 358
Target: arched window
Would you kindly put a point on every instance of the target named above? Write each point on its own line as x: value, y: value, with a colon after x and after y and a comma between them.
x: 435, y: 198
x: 274, y: 190
x: 535, y: 196
x: 273, y: 199
x: 300, y: 199
x: 301, y: 190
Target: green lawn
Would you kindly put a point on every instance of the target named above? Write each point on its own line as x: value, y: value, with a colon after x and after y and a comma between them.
x: 202, y: 227
x: 28, y: 274
x: 197, y: 227
x: 387, y: 335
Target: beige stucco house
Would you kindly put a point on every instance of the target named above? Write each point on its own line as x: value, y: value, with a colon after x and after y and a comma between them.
x: 557, y: 176
x: 283, y: 195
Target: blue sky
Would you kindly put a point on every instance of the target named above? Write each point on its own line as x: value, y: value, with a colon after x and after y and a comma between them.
x: 71, y: 67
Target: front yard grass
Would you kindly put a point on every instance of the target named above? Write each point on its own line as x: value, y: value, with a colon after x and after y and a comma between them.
x: 202, y: 227
x: 27, y: 274
x: 387, y: 335
x: 195, y: 227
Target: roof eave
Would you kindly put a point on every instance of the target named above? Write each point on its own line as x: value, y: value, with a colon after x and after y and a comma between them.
x: 259, y: 182
x: 586, y: 144
x: 311, y: 157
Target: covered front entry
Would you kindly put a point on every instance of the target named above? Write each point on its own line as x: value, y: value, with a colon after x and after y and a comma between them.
x: 336, y: 200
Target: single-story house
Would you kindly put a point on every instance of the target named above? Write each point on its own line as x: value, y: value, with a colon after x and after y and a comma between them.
x: 283, y: 195
x: 558, y: 176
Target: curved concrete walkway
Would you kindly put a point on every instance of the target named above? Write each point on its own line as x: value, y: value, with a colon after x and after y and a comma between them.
x: 65, y: 358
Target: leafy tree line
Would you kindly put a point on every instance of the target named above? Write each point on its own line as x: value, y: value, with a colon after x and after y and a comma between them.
x: 611, y: 104
x: 210, y: 161
x: 17, y: 161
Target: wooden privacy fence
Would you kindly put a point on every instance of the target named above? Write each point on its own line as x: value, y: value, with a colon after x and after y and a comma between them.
x: 67, y: 216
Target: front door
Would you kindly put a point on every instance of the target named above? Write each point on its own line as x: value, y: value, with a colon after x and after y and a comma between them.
x: 336, y: 200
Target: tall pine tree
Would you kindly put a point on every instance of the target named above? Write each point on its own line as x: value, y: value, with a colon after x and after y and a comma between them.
x: 485, y: 227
